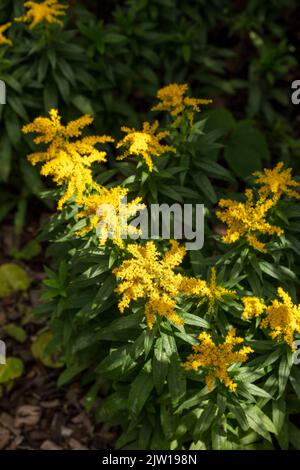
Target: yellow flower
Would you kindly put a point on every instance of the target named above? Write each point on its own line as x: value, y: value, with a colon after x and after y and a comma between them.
x: 277, y: 182
x: 172, y: 99
x: 253, y: 307
x: 282, y: 319
x: 47, y: 11
x: 145, y: 143
x: 107, y: 213
x: 145, y: 276
x: 247, y: 219
x: 215, y: 292
x: 4, y: 41
x: 211, y: 290
x: 66, y: 161
x: 217, y: 357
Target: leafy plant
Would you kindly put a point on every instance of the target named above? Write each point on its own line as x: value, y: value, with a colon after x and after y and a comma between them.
x: 9, y: 372
x: 201, y: 355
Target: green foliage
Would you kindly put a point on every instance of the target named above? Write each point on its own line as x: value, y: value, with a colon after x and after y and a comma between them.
x: 9, y: 372
x: 16, y: 332
x: 159, y: 403
x: 40, y: 350
x: 13, y: 278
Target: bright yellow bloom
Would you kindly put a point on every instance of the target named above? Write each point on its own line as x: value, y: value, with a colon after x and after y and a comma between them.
x: 66, y: 161
x: 247, y: 219
x: 47, y: 11
x: 4, y: 41
x: 277, y: 182
x: 282, y: 319
x: 194, y: 287
x: 145, y: 143
x: 108, y: 214
x: 253, y: 307
x: 172, y: 99
x: 209, y: 290
x: 217, y: 357
x: 215, y: 292
x: 145, y: 276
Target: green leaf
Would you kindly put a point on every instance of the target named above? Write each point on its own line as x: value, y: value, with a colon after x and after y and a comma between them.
x: 205, y: 420
x: 117, y: 362
x: 176, y: 379
x: 13, y: 127
x: 205, y: 186
x: 260, y: 422
x: 29, y: 251
x: 16, y: 332
x: 20, y: 215
x: 284, y: 371
x: 170, y: 192
x: 50, y: 96
x: 5, y: 157
x: 69, y: 373
x: 111, y: 405
x: 83, y: 104
x: 240, y: 415
x: 219, y: 436
x: 278, y: 414
x: 91, y: 396
x: 214, y: 169
x: 257, y: 391
x: 160, y: 365
x: 13, y: 278
x: 219, y: 118
x: 194, y: 320
x: 128, y: 322
x: 12, y: 370
x: 39, y: 350
x: 294, y: 434
x: 32, y: 178
x: 140, y: 390
x: 115, y: 38
x: 295, y: 380
x: 194, y: 401
x: 246, y: 150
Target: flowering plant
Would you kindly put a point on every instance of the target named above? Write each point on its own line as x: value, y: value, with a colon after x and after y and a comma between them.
x: 195, y: 347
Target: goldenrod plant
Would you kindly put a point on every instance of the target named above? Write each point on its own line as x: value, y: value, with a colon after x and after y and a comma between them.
x: 196, y: 347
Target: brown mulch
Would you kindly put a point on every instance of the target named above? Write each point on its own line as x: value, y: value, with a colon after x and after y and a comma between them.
x: 38, y: 415
x: 35, y: 413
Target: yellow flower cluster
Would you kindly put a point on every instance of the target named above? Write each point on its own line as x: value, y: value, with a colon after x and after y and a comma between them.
x: 66, y: 161
x: 282, y: 318
x: 217, y: 357
x: 253, y: 307
x: 4, y: 41
x: 215, y: 292
x: 107, y: 213
x: 172, y: 99
x: 206, y: 290
x: 145, y: 143
x: 47, y: 11
x: 145, y: 276
x: 277, y: 182
x: 247, y: 219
